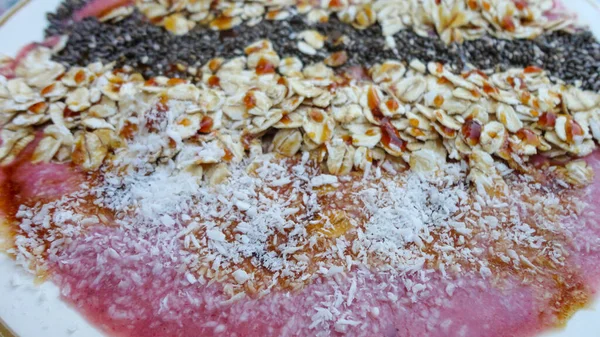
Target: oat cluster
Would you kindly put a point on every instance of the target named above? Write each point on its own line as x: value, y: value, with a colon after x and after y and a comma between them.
x: 402, y: 116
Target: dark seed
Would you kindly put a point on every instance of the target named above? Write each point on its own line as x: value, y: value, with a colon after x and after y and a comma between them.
x: 153, y: 51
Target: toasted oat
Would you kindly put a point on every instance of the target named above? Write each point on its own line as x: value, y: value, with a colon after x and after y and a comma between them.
x: 394, y: 117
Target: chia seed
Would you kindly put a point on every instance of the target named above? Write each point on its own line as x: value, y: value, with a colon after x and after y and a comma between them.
x: 153, y: 51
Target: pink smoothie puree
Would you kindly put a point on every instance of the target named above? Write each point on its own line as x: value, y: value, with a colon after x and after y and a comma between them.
x: 127, y: 287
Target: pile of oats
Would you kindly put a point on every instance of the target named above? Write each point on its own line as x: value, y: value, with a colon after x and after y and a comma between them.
x: 404, y: 116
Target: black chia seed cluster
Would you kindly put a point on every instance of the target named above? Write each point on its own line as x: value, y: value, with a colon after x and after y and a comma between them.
x: 153, y: 51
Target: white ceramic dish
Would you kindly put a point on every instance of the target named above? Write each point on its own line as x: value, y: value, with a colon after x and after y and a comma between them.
x: 32, y: 311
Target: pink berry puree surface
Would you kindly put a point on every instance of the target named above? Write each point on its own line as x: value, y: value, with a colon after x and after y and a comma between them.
x: 131, y: 283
